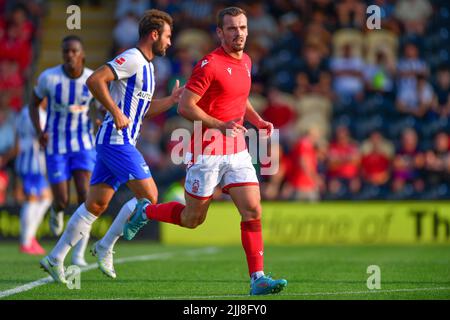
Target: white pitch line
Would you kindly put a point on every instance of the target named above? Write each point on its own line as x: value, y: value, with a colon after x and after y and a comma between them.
x: 155, y: 256
x: 288, y: 294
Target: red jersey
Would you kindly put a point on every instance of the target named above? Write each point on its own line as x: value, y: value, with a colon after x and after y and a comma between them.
x: 223, y: 82
x: 305, y: 151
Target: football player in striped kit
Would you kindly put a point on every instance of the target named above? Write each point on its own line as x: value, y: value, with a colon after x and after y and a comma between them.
x: 30, y: 167
x: 125, y: 87
x: 68, y: 134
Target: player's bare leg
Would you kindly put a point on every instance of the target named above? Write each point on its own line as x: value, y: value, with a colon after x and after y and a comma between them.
x: 248, y: 201
x: 190, y: 215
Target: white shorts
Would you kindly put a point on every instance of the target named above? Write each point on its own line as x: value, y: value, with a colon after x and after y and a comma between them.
x: 233, y: 170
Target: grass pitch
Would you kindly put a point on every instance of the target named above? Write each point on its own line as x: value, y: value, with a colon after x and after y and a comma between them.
x: 152, y: 271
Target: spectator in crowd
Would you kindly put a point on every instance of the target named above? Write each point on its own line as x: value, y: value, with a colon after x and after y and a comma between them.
x: 387, y: 10
x: 416, y: 102
x: 413, y: 14
x: 351, y: 14
x: 136, y: 7
x: 279, y: 113
x: 441, y: 105
x: 410, y: 66
x: 261, y: 25
x: 11, y: 83
x: 126, y: 32
x: 314, y: 76
x: 343, y: 163
x: 380, y: 76
x: 437, y: 161
x: 16, y: 41
x: 197, y: 13
x: 348, y: 74
x: 377, y: 154
x: 7, y: 145
x: 407, y: 165
x: 303, y: 181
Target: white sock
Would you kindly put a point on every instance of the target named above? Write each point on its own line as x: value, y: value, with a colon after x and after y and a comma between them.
x: 38, y: 216
x: 78, y: 226
x: 256, y: 275
x: 28, y: 222
x: 25, y: 223
x: 115, y: 230
x: 80, y: 247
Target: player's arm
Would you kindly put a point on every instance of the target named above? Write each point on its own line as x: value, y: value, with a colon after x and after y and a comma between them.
x: 98, y: 85
x: 188, y: 108
x: 33, y: 109
x: 255, y: 119
x: 159, y: 106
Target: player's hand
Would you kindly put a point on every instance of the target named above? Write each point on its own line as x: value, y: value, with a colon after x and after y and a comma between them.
x: 232, y: 128
x: 121, y: 121
x: 43, y: 139
x: 176, y: 92
x: 267, y: 128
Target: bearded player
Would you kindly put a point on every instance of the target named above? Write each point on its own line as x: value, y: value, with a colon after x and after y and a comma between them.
x: 217, y: 95
x: 125, y: 87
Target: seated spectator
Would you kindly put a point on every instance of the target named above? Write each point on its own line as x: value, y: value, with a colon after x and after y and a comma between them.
x: 409, y: 67
x: 408, y: 163
x: 11, y: 84
x: 314, y: 76
x: 437, y: 161
x: 261, y: 25
x: 413, y: 14
x: 317, y: 35
x: 126, y: 32
x: 18, y: 17
x: 351, y: 14
x: 303, y: 181
x: 377, y: 154
x: 348, y: 74
x: 124, y: 7
x: 416, y: 102
x: 388, y: 20
x: 279, y: 112
x: 343, y: 163
x: 441, y: 105
x: 13, y: 46
x: 197, y: 13
x: 380, y: 75
x: 7, y: 144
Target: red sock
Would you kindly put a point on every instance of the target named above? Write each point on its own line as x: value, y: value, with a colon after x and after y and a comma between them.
x: 251, y: 236
x: 165, y: 212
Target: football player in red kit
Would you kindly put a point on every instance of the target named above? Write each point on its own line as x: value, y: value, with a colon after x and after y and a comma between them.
x: 217, y: 95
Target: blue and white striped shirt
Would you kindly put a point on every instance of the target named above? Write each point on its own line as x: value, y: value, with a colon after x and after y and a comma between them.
x: 68, y: 123
x: 132, y: 91
x: 31, y: 158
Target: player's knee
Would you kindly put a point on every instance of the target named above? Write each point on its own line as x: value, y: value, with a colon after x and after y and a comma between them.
x: 251, y: 211
x: 97, y: 207
x: 193, y: 222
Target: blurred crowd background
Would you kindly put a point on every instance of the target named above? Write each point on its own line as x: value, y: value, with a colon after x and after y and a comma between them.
x: 363, y: 114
